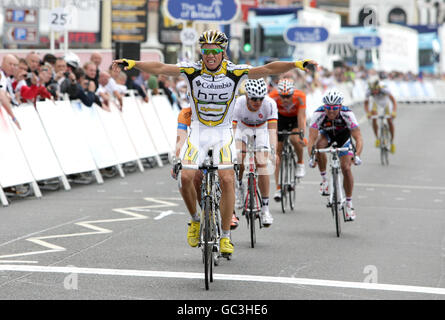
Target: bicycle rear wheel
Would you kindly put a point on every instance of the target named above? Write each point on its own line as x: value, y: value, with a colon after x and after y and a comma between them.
x: 284, y: 180
x: 251, y: 210
x: 208, y: 246
x: 292, y: 181
x: 334, y: 206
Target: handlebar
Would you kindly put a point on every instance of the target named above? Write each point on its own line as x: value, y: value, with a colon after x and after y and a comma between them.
x: 207, y: 167
x: 289, y: 133
x: 385, y: 116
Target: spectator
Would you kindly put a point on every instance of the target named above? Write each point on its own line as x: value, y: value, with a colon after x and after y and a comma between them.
x: 132, y: 85
x: 33, y: 61
x: 60, y: 70
x: 163, y: 84
x: 5, y: 102
x: 121, y: 80
x: 90, y: 72
x: 102, y: 91
x: 112, y: 88
x: 37, y: 88
x: 96, y: 58
x: 9, y: 69
x: 50, y: 58
x: 80, y: 88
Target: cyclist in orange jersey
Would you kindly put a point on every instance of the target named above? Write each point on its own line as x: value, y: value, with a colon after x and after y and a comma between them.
x: 291, y: 105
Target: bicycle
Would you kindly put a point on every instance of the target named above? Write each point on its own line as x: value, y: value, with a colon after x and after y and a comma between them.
x: 210, y: 227
x: 288, y: 164
x: 253, y: 201
x: 384, y: 137
x: 337, y: 199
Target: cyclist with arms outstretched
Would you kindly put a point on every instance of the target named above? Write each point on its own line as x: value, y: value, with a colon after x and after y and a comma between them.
x: 212, y: 84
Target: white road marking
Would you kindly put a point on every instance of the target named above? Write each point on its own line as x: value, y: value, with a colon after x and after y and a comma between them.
x: 226, y: 277
x: 394, y: 186
x: 50, y: 247
x: 166, y: 213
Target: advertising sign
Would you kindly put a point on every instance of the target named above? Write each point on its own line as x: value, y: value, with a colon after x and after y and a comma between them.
x: 202, y: 10
x: 297, y: 34
x: 367, y: 42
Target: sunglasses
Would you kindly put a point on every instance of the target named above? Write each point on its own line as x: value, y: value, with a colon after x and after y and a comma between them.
x: 211, y: 51
x: 332, y: 107
x: 286, y: 96
x: 256, y: 99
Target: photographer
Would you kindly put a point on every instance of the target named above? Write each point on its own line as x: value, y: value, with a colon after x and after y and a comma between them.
x: 37, y: 89
x: 81, y: 88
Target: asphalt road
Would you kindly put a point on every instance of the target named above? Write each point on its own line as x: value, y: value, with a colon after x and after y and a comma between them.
x: 126, y: 238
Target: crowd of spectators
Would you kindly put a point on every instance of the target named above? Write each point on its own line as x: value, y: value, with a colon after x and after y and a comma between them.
x: 31, y: 79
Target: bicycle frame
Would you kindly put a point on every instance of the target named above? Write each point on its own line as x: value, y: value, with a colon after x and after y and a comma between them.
x: 383, y: 137
x: 337, y: 199
x: 210, y: 227
x: 287, y: 177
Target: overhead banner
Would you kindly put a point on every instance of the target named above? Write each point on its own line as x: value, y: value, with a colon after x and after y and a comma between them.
x: 129, y: 20
x: 202, y: 10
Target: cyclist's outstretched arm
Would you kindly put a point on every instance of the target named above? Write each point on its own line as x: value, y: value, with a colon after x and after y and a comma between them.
x: 153, y: 67
x: 278, y: 67
x: 357, y: 135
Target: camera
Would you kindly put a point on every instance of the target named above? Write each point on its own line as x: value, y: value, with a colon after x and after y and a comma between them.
x: 29, y: 75
x: 66, y: 74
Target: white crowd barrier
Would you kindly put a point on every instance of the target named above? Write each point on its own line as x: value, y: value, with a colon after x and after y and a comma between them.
x: 66, y: 137
x: 428, y: 91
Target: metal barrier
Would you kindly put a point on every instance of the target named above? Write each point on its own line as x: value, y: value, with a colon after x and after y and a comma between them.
x: 60, y: 138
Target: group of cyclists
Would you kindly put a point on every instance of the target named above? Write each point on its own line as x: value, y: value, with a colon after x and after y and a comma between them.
x: 220, y: 119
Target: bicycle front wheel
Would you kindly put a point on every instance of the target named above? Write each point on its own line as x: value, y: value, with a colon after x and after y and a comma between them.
x: 292, y: 181
x: 284, y: 180
x: 251, y: 211
x: 208, y: 245
x: 334, y: 206
x: 385, y: 145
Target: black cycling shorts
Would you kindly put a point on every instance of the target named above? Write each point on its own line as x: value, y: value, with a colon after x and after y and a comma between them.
x: 286, y: 123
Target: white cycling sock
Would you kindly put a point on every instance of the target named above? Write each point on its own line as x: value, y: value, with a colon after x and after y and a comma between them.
x: 225, y: 234
x: 195, y: 217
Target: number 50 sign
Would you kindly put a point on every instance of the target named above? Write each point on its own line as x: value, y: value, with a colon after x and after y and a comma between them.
x: 61, y: 19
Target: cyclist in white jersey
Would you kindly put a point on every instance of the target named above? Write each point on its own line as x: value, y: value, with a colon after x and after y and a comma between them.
x: 383, y: 102
x: 212, y: 84
x: 256, y: 114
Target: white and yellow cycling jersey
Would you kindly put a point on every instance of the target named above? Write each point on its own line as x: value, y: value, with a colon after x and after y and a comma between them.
x: 212, y: 94
x: 380, y: 102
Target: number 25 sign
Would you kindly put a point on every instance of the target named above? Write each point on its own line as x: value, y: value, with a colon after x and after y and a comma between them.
x: 61, y: 19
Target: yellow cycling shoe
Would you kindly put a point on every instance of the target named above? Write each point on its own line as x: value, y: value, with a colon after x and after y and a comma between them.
x: 193, y: 233
x: 225, y: 246
x: 393, y: 148
x: 377, y: 143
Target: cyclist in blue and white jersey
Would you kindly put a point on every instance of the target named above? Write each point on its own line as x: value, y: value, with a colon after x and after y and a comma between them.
x: 335, y: 122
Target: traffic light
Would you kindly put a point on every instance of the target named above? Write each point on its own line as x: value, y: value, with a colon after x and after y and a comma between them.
x: 261, y: 38
x: 248, y: 44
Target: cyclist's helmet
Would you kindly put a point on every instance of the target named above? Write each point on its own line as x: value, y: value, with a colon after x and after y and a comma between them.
x: 255, y: 88
x: 375, y: 85
x: 214, y: 37
x: 286, y: 87
x: 333, y: 97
